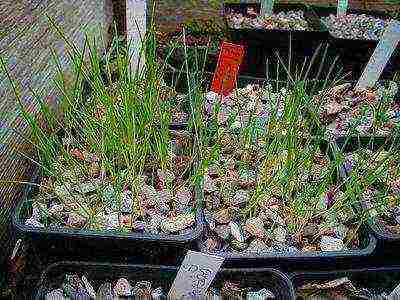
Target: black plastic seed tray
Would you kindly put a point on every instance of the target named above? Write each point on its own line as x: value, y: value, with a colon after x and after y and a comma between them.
x: 160, y: 276
x: 261, y: 44
x: 350, y: 144
x: 376, y: 280
x: 81, y: 243
x: 294, y: 260
x: 355, y: 53
x: 277, y: 38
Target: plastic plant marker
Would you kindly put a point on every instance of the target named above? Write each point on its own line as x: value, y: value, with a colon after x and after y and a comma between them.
x: 225, y: 75
x: 342, y: 7
x: 380, y: 57
x: 267, y: 7
x: 195, y: 275
x: 16, y: 248
x: 136, y: 29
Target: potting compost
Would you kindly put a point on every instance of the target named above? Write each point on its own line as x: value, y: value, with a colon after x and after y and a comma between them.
x: 353, y: 26
x: 77, y: 287
x: 291, y: 20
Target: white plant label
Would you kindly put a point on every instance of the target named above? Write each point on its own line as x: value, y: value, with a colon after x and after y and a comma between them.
x: 195, y: 276
x: 380, y: 57
x: 342, y: 7
x: 136, y: 28
x: 395, y: 294
x: 267, y: 7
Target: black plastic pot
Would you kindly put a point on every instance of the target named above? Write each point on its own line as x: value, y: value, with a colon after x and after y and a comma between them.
x: 355, y: 53
x: 349, y: 144
x: 261, y: 44
x: 81, y: 244
x: 295, y: 260
x: 163, y: 276
x: 368, y: 244
x: 379, y: 280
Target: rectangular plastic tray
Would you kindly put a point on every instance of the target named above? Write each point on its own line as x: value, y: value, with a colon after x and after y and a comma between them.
x: 81, y: 244
x: 271, y: 279
x: 261, y: 44
x: 355, y: 53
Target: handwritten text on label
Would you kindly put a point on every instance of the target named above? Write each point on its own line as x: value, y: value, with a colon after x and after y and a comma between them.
x: 225, y: 75
x: 195, y: 275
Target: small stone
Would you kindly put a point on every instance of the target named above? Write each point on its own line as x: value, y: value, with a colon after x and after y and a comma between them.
x: 395, y: 186
x: 108, y: 194
x: 208, y: 217
x: 123, y: 288
x: 56, y: 210
x: 269, y: 214
x: 279, y: 235
x: 213, y: 294
x: 223, y: 216
x: 88, y: 187
x: 208, y: 184
x: 213, y: 201
x: 142, y: 290
x: 31, y: 222
x: 397, y: 218
x: 257, y: 246
x: 211, y: 245
x: 154, y: 224
x: 255, y: 226
x: 112, y: 221
x: 237, y: 245
x: 57, y: 294
x: 236, y: 231
x: 149, y: 196
x: 105, y: 291
x: 163, y: 179
x: 310, y: 230
x: 340, y: 231
x: 63, y: 191
x: 184, y: 196
x: 309, y: 248
x: 73, y: 286
x: 260, y: 295
x: 125, y: 221
x: 75, y: 220
x: 176, y: 224
x: 126, y: 202
x: 158, y: 294
x: 163, y: 200
x: 329, y: 243
x: 138, y: 226
x: 232, y: 290
x: 94, y: 170
x: 240, y: 198
x: 89, y: 287
x: 223, y: 231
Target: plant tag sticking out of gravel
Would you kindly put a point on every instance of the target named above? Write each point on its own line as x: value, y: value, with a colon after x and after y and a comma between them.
x: 225, y: 75
x: 267, y: 7
x: 342, y: 7
x: 195, y: 275
x: 380, y: 57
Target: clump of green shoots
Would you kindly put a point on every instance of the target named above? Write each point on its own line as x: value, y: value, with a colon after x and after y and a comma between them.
x: 285, y: 194
x: 107, y: 144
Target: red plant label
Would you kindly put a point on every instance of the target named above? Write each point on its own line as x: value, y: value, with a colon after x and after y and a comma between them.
x: 230, y: 58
